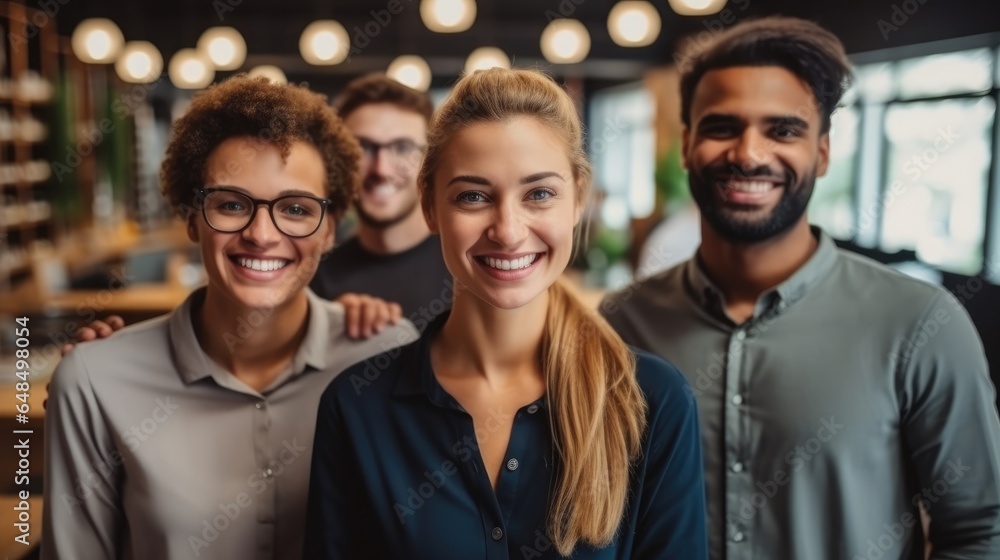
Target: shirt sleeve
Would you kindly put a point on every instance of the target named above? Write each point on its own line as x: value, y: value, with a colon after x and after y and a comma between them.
x: 950, y: 427
x: 82, y: 516
x: 334, y: 521
x: 671, y: 521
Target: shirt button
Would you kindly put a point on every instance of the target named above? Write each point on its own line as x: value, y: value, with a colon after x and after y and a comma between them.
x: 497, y: 533
x: 737, y: 537
x: 737, y: 467
x: 738, y: 399
x: 533, y: 409
x: 268, y: 472
x: 258, y: 406
x: 741, y: 335
x: 512, y: 465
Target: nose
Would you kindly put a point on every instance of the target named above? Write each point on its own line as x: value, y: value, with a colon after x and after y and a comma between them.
x: 382, y: 163
x: 751, y: 150
x: 509, y: 227
x: 262, y: 231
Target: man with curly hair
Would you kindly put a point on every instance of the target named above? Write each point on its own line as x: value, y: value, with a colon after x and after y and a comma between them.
x: 190, y: 435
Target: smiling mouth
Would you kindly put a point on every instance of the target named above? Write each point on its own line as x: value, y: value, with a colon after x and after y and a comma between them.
x: 509, y: 264
x: 261, y: 265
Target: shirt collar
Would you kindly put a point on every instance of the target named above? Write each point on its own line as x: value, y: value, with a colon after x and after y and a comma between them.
x: 193, y: 364
x: 418, y: 378
x: 788, y: 292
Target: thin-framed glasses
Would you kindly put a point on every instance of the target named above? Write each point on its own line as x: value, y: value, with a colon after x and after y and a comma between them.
x: 399, y: 150
x: 230, y: 211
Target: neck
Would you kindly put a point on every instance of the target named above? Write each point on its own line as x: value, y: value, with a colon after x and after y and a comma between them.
x: 495, y: 343
x: 399, y: 237
x: 254, y: 354
x: 744, y: 271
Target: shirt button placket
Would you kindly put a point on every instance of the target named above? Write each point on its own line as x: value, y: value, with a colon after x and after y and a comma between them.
x: 737, y: 477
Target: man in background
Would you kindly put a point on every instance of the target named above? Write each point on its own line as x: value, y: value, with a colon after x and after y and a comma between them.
x: 837, y: 397
x: 393, y: 256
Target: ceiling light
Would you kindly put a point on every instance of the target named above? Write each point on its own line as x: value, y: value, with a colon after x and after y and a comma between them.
x: 412, y: 71
x: 189, y: 69
x: 697, y: 7
x: 634, y: 23
x: 139, y: 63
x: 270, y: 72
x: 97, y: 41
x: 565, y: 41
x: 484, y: 58
x: 224, y: 46
x: 448, y: 16
x: 324, y: 42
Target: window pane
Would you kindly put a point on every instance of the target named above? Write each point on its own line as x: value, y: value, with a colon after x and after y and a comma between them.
x: 832, y: 204
x: 935, y: 192
x: 622, y: 146
x: 943, y: 74
x: 876, y: 82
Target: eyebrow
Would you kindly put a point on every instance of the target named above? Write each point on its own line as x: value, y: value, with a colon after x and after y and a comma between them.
x: 477, y: 180
x: 779, y: 120
x: 285, y: 192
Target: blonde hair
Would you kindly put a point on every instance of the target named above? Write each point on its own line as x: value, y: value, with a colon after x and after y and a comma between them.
x: 598, y: 412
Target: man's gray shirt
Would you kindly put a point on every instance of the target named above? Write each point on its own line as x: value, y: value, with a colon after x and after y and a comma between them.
x: 153, y: 451
x: 853, y: 395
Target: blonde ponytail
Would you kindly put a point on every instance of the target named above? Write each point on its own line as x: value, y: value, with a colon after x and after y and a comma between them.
x: 598, y: 416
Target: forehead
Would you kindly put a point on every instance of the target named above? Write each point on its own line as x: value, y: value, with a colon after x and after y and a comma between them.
x: 752, y: 92
x: 258, y: 167
x: 383, y: 122
x: 513, y: 146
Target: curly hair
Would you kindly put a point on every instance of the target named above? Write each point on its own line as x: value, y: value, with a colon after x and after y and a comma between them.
x: 802, y: 47
x: 278, y: 114
x: 379, y: 88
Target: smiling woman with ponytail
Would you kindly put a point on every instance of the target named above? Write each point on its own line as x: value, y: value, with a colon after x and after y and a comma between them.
x: 520, y: 425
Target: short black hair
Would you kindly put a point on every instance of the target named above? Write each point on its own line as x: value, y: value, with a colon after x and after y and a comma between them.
x: 802, y: 47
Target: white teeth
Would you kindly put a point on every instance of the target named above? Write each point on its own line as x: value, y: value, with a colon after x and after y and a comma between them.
x: 515, y: 264
x: 384, y: 190
x: 262, y: 265
x: 750, y: 186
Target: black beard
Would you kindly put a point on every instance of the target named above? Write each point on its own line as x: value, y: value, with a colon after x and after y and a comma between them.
x: 727, y: 223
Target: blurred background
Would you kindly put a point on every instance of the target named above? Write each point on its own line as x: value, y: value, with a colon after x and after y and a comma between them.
x: 89, y: 88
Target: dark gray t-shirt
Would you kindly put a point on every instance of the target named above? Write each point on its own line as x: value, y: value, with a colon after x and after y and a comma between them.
x: 416, y: 279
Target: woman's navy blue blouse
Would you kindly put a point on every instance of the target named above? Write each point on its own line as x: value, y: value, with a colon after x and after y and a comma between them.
x: 397, y: 473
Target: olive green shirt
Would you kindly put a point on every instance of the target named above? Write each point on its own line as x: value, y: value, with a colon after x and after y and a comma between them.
x: 852, y: 395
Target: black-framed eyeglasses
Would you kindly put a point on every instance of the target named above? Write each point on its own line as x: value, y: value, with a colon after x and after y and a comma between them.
x: 230, y: 211
x: 399, y: 149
